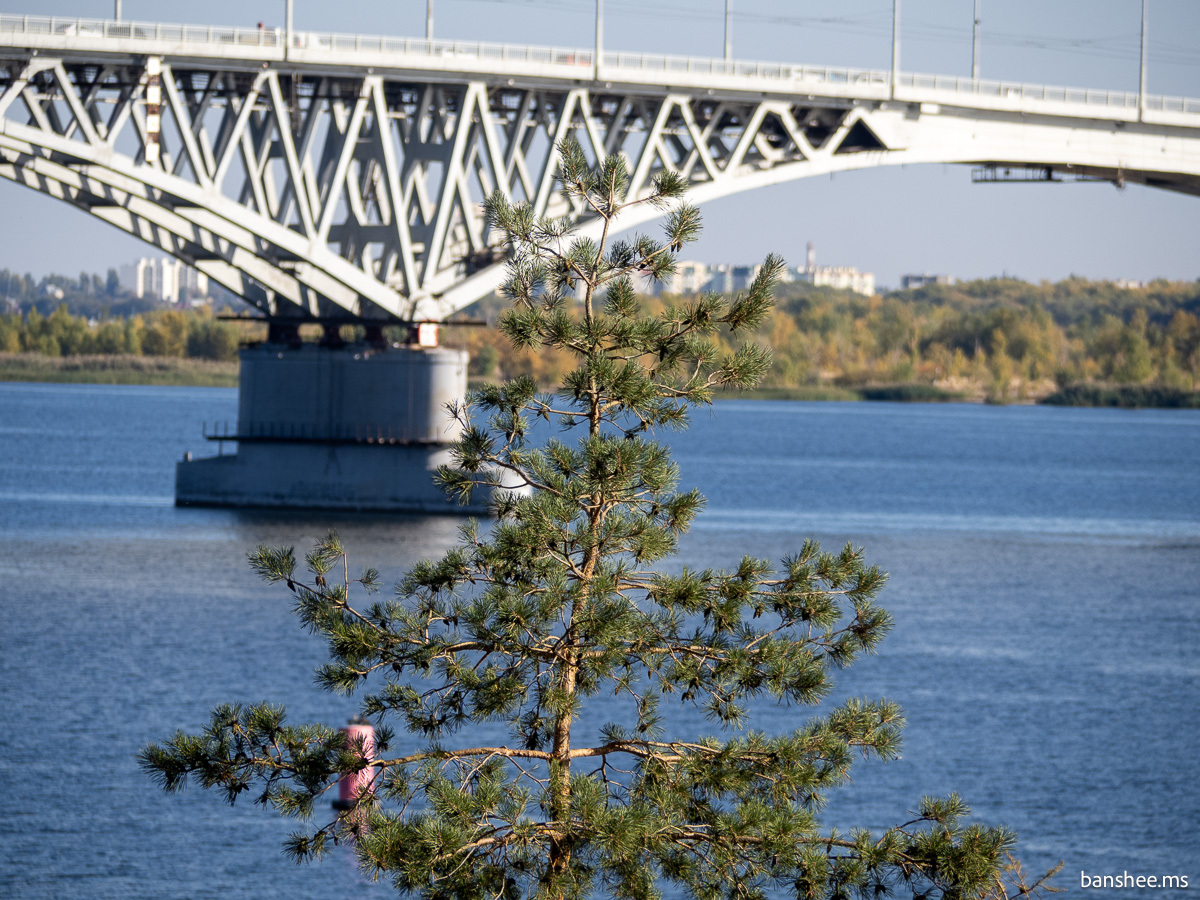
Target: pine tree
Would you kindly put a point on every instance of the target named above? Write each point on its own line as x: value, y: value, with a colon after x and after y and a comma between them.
x: 553, y: 614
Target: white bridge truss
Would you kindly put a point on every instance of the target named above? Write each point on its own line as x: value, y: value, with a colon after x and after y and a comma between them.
x: 342, y: 176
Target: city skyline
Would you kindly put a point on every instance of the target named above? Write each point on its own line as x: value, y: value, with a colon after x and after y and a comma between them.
x: 888, y: 221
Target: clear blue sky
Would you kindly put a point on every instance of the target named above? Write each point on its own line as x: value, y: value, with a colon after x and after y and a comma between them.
x: 888, y: 221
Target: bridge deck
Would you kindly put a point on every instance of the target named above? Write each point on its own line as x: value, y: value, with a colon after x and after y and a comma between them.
x: 358, y: 53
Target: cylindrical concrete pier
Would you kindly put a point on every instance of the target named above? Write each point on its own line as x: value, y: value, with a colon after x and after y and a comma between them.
x: 353, y: 427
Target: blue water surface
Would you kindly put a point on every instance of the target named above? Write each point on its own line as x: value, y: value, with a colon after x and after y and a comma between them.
x: 1045, y: 580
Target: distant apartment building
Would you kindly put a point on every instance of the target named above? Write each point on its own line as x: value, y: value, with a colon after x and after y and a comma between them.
x: 166, y: 280
x: 843, y: 278
x: 726, y: 279
x: 691, y: 277
x: 907, y: 282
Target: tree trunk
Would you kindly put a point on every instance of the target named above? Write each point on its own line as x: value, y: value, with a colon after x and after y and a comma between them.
x: 560, y: 784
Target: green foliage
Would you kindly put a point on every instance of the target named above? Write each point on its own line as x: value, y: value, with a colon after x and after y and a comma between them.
x: 168, y: 333
x: 210, y: 339
x: 1002, y: 339
x: 553, y: 625
x: 999, y: 338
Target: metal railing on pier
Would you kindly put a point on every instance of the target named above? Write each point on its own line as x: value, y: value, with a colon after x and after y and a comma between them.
x: 303, y: 433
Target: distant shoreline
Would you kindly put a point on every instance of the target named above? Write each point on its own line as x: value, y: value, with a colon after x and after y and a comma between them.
x: 175, y: 372
x: 897, y: 393
x: 1080, y: 395
x: 1084, y: 395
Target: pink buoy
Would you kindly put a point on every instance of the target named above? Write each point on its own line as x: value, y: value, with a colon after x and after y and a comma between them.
x: 352, y: 785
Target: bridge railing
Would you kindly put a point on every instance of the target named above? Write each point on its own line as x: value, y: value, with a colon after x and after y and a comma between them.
x: 1174, y: 104
x: 782, y: 76
x: 785, y: 72
x: 352, y: 43
x: 1019, y: 90
x: 217, y: 35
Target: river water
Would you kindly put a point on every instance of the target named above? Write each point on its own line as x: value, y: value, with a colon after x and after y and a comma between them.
x: 1045, y: 580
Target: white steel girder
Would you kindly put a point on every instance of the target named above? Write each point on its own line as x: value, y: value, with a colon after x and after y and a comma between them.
x: 315, y: 193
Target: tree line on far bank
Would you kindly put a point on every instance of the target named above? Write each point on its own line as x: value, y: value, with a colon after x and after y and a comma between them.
x: 91, y: 315
x: 193, y: 334
x: 1000, y: 339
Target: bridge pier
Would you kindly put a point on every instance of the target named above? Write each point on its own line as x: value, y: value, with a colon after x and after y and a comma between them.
x: 354, y: 426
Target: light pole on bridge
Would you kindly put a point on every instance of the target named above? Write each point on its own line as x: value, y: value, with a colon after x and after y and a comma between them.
x: 895, y: 45
x: 1142, y: 71
x: 975, y: 45
x: 599, y: 37
x: 117, y: 10
x: 728, y: 32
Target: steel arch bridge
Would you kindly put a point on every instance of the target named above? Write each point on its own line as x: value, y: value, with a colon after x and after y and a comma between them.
x: 341, y: 176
